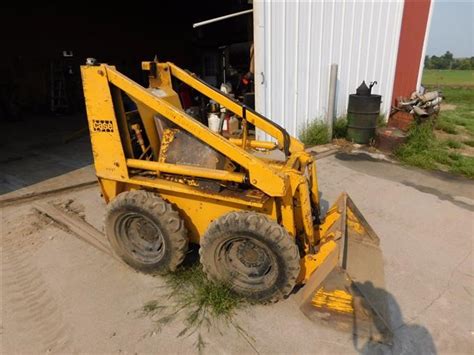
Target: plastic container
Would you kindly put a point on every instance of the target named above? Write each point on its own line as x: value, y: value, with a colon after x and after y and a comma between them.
x: 213, y: 122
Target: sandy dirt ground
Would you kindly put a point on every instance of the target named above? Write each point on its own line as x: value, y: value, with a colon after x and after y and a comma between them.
x: 63, y: 291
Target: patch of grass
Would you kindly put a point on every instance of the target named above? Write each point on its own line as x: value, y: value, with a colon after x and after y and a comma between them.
x: 463, y: 166
x: 200, y: 303
x: 315, y: 133
x: 459, y: 119
x: 192, y: 287
x: 451, y: 143
x: 461, y: 122
x: 424, y: 151
x: 446, y: 126
x: 433, y: 77
x: 420, y: 148
x: 340, y: 128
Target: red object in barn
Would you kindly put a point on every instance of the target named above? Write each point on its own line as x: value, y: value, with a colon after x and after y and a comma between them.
x: 410, y: 48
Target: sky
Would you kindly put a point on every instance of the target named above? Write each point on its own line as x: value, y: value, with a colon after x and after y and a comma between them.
x: 452, y: 27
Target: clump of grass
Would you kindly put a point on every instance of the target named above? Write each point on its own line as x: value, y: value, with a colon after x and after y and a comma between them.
x: 464, y: 166
x: 469, y: 142
x: 446, y: 126
x: 381, y: 122
x: 451, y: 143
x: 191, y: 286
x: 424, y: 151
x: 455, y: 156
x: 340, y: 128
x: 199, y: 302
x: 418, y: 150
x: 315, y: 133
x: 461, y: 122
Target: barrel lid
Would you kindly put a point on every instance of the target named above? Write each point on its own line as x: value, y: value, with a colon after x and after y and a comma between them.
x: 363, y: 90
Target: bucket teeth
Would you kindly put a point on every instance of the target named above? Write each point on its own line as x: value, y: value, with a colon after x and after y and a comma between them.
x: 338, y: 300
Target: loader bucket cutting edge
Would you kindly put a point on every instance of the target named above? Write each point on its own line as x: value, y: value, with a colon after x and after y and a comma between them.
x: 350, y: 295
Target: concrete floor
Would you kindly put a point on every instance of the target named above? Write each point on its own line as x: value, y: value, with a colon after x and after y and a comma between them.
x: 63, y: 291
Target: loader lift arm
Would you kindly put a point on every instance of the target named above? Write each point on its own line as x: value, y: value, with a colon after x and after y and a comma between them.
x: 260, y: 174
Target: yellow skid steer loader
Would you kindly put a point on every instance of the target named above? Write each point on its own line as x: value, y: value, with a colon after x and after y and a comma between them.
x: 169, y: 180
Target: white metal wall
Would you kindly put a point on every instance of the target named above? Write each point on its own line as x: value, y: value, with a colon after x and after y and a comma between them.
x: 297, y: 41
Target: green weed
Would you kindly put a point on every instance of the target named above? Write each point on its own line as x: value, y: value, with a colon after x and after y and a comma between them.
x: 381, y: 122
x: 315, y: 133
x: 340, y: 128
x: 200, y: 303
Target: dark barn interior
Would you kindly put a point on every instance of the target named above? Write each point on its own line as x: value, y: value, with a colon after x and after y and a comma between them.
x: 42, y: 112
x: 35, y: 38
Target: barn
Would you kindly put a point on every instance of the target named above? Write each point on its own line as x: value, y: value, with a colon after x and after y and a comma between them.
x: 296, y: 43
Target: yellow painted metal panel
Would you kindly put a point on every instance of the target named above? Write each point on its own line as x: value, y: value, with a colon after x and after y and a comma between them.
x: 199, y: 211
x: 107, y: 147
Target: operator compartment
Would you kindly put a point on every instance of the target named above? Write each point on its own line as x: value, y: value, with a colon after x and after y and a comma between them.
x: 157, y: 148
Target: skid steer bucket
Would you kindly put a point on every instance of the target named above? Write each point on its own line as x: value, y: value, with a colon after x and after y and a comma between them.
x: 351, y: 295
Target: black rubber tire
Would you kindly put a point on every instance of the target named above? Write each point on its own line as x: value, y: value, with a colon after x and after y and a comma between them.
x: 144, y: 208
x: 270, y: 242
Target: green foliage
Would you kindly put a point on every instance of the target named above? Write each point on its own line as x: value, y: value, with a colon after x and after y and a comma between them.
x: 447, y: 61
x: 315, y: 133
x: 340, y: 128
x: 469, y: 142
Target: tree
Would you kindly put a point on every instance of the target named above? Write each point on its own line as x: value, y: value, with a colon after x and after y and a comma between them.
x: 447, y: 60
x: 436, y: 62
x: 465, y: 64
x: 427, y: 62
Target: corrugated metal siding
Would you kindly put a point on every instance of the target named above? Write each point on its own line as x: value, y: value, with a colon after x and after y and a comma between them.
x: 296, y: 43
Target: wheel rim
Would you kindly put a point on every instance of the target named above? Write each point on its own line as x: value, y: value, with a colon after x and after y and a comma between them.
x: 247, y: 263
x: 140, y: 237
